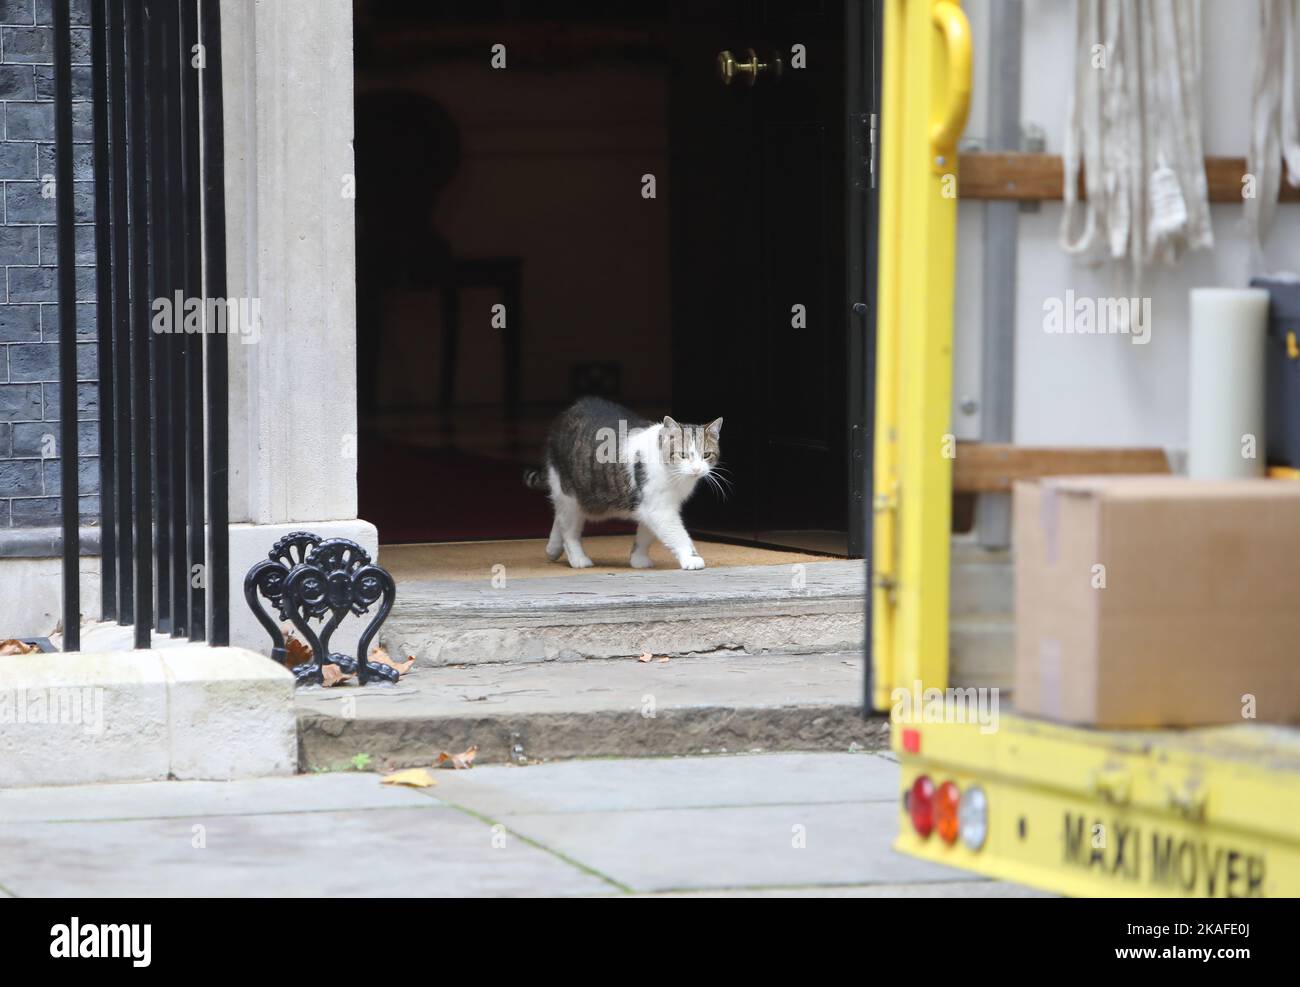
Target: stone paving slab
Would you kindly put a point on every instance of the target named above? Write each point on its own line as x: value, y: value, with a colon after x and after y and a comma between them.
x: 667, y: 849
x: 724, y: 825
x: 595, y: 708
x: 930, y: 889
x: 671, y: 783
x: 707, y: 822
x: 408, y: 852
x: 183, y: 799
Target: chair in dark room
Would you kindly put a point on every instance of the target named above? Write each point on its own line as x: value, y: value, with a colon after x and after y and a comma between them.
x: 408, y: 149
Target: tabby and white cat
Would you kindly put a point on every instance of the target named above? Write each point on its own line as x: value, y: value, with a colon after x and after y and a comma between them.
x: 604, y: 461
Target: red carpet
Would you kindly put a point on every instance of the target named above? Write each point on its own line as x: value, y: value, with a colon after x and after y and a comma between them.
x: 417, y: 494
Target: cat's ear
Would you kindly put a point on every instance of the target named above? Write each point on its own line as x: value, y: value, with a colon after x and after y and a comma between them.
x: 714, y: 428
x: 670, y: 424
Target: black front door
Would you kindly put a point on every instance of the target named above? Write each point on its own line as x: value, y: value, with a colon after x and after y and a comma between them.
x: 768, y: 186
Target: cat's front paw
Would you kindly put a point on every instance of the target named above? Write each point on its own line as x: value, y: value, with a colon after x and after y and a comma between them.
x: 692, y: 562
x: 580, y: 562
x: 641, y: 560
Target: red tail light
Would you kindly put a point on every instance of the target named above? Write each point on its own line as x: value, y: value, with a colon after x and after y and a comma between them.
x: 947, y: 803
x: 920, y: 805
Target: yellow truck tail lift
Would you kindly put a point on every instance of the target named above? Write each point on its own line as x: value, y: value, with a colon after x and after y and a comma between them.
x: 1212, y: 812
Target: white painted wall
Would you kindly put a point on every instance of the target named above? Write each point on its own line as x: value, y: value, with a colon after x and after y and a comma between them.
x: 1104, y: 390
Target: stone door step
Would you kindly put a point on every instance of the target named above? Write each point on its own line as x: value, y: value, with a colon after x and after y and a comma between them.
x: 599, y: 708
x: 812, y: 607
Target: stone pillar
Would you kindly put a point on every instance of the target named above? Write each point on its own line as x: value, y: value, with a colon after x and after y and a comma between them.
x: 291, y: 247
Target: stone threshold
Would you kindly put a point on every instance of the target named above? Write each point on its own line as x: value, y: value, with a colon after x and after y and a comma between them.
x: 813, y: 607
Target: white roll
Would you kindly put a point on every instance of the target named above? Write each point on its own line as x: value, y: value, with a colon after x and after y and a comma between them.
x: 1225, y: 418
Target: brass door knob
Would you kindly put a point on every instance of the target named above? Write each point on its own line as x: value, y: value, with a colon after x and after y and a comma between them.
x: 729, y: 70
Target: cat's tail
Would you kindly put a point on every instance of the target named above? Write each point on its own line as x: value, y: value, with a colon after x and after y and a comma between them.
x: 536, y: 479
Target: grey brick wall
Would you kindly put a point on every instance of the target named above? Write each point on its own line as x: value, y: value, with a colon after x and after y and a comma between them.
x: 29, y: 313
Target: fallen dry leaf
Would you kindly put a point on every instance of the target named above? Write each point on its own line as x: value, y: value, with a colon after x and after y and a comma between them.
x: 332, y: 675
x: 379, y: 656
x: 15, y: 647
x: 646, y: 657
x: 412, y: 777
x: 458, y: 761
x: 299, y: 651
x: 663, y: 658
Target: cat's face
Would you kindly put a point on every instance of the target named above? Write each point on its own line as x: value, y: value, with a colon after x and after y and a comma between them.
x: 690, y: 450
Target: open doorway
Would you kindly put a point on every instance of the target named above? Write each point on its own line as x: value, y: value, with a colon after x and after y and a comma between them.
x: 554, y: 200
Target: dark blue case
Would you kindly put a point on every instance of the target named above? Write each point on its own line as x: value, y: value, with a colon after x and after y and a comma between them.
x: 1282, y: 385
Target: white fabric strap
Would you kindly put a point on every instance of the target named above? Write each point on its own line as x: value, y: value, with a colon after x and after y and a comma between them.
x: 1274, y: 126
x: 1135, y: 127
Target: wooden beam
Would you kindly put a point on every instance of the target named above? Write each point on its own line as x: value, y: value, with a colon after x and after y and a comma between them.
x: 990, y: 175
x: 986, y: 467
x: 1032, y: 177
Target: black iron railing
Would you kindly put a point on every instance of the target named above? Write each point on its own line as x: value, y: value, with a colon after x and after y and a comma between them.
x: 159, y: 247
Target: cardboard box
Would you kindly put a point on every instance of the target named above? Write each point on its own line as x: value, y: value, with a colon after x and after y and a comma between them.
x: 1149, y: 601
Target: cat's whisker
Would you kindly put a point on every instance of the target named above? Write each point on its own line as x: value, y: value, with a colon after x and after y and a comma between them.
x: 720, y: 478
x: 716, y: 483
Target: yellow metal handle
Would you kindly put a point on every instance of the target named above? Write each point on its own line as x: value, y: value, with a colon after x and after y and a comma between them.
x: 951, y: 21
